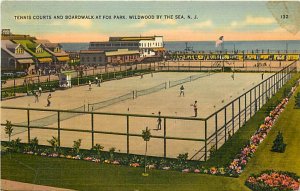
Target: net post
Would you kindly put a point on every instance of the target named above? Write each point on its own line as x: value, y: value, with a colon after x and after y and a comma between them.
x: 259, y: 96
x: 165, y: 140
x: 165, y: 85
x: 127, y: 133
x: 133, y: 94
x: 28, y: 125
x: 58, y: 127
x: 92, y: 126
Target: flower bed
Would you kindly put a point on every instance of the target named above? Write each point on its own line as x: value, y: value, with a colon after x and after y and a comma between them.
x: 238, y: 164
x: 273, y: 180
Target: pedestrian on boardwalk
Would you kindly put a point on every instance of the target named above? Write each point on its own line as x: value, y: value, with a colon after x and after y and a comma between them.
x: 90, y: 85
x: 142, y: 75
x: 232, y: 76
x: 97, y: 82
x: 159, y: 122
x: 40, y: 91
x: 262, y: 76
x: 48, y: 100
x: 36, y: 100
x: 195, y: 108
x: 181, y: 91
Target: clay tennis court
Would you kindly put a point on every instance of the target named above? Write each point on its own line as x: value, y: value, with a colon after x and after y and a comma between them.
x: 212, y: 91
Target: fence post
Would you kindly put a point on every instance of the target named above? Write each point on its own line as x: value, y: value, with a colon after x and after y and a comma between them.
x: 245, y: 108
x: 58, y: 127
x: 232, y: 117
x: 205, y: 141
x: 14, y: 86
x: 216, y: 130
x: 225, y: 122
x: 165, y: 141
x: 263, y: 93
x: 251, y: 103
x: 92, y: 125
x: 28, y: 125
x: 239, y: 112
x: 259, y: 96
x: 127, y: 133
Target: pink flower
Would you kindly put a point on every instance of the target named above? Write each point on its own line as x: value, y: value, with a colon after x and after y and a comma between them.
x: 196, y: 171
x: 186, y: 170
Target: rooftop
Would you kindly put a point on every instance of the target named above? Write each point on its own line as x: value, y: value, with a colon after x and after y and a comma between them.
x: 132, y: 38
x: 8, y: 43
x: 27, y: 44
x: 91, y: 51
x: 121, y: 52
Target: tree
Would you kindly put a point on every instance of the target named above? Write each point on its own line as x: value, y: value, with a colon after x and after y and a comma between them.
x: 146, y: 136
x: 278, y: 144
x: 8, y: 129
x: 98, y: 148
x: 54, y: 143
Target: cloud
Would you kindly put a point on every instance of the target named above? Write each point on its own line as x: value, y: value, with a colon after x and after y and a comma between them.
x: 250, y: 20
x: 204, y: 24
x: 144, y: 23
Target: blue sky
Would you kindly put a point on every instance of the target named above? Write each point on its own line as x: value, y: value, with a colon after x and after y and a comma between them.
x: 235, y: 20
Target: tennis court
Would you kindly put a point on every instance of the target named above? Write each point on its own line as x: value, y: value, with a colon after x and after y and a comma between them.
x: 134, y: 95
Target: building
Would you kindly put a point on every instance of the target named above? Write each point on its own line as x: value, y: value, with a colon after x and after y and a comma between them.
x: 114, y: 45
x: 15, y: 57
x: 148, y: 46
x: 122, y: 56
x: 92, y: 57
x: 41, y: 56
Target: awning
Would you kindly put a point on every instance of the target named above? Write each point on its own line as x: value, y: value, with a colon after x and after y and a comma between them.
x: 159, y: 49
x: 25, y: 61
x: 44, y: 60
x: 63, y: 58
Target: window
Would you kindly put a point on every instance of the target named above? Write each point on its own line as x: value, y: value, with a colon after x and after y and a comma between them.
x: 88, y: 59
x: 94, y: 59
x: 82, y: 59
x: 100, y: 59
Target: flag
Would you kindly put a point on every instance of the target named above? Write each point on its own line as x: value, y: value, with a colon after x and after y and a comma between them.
x: 219, y: 41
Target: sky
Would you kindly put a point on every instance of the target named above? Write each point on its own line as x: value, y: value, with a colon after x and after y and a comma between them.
x: 250, y: 20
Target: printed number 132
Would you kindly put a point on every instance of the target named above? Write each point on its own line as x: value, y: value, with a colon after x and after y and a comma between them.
x: 284, y: 16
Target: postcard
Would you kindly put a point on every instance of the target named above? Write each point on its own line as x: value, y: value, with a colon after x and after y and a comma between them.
x: 150, y: 95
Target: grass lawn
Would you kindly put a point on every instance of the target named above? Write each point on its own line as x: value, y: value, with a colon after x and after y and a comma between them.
x: 82, y: 175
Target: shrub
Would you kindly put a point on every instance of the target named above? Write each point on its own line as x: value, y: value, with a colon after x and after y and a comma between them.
x: 16, y: 144
x: 76, y: 146
x: 297, y: 100
x: 54, y: 143
x: 98, y: 148
x: 111, y: 152
x: 278, y: 144
x: 33, y: 144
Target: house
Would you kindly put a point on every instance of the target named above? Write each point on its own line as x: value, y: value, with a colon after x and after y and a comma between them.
x: 92, y: 57
x: 42, y: 57
x: 122, y: 56
x: 15, y: 57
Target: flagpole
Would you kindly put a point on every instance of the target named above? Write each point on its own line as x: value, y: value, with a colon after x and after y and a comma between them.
x: 223, y: 53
